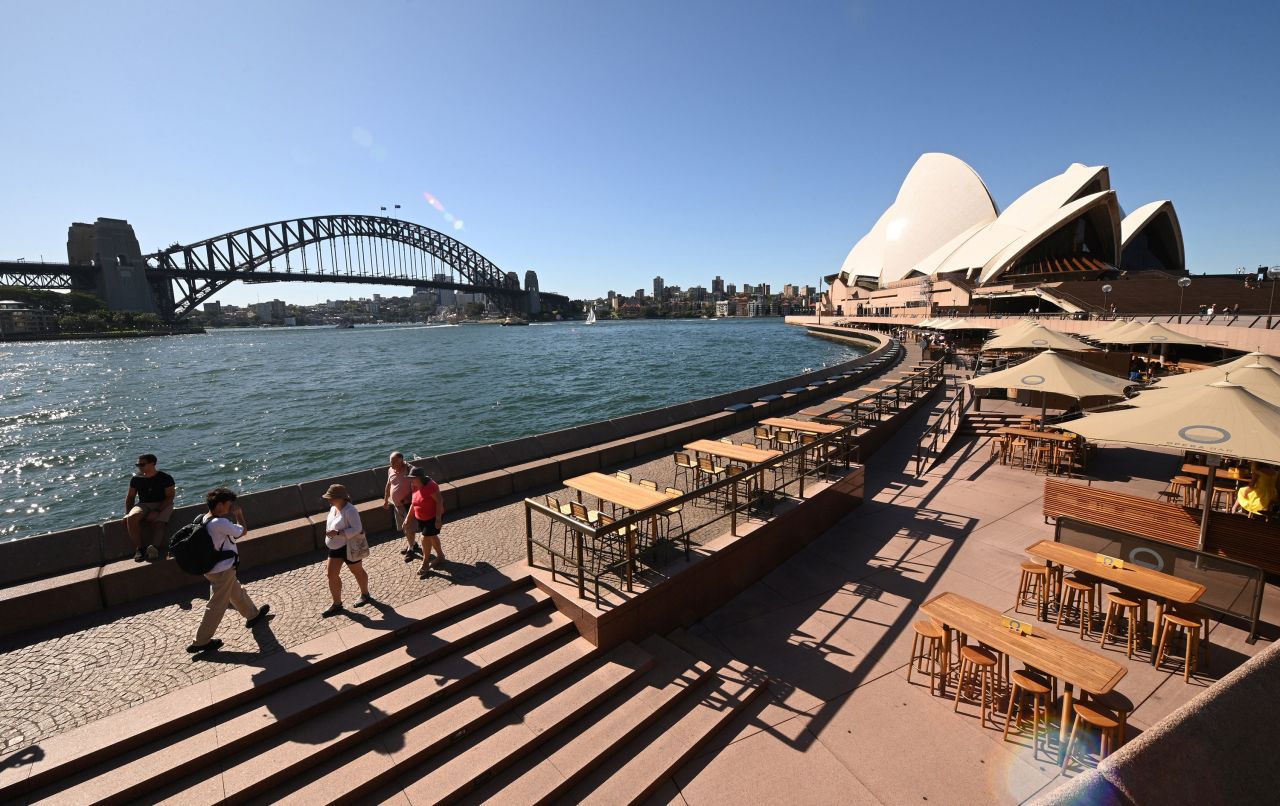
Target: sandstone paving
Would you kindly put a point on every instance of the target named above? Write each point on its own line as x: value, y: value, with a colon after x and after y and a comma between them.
x: 831, y: 629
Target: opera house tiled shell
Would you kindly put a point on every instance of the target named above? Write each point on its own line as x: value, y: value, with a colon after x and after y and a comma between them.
x: 944, y: 223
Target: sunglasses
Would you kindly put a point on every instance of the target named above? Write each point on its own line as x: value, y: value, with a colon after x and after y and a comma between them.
x: 143, y: 464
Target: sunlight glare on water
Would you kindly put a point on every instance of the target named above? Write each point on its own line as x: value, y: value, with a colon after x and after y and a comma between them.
x: 253, y: 409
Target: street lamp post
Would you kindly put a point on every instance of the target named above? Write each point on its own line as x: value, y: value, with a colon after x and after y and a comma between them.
x: 1183, y: 282
x: 1106, y: 289
x: 1272, y: 274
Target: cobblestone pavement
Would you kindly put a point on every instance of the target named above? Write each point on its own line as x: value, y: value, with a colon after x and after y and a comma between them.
x: 80, y: 671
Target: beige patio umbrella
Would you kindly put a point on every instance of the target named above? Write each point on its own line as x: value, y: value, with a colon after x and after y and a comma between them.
x: 1153, y: 333
x: 1110, y: 327
x: 1021, y: 324
x: 1257, y: 378
x: 1053, y: 373
x: 1105, y: 335
x: 1245, y: 360
x: 1036, y: 338
x: 1221, y: 419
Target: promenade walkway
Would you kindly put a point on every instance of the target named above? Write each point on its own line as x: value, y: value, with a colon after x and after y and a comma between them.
x: 75, y: 672
x: 832, y: 629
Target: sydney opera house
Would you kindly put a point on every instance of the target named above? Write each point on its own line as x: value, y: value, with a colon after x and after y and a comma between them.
x: 943, y: 245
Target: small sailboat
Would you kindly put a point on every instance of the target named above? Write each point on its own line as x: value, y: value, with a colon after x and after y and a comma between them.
x: 591, y: 316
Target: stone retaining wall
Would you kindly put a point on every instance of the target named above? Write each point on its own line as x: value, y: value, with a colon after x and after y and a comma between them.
x: 50, y: 577
x: 1214, y: 749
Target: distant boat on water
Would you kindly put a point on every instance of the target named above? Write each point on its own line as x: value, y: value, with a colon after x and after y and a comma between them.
x: 591, y: 316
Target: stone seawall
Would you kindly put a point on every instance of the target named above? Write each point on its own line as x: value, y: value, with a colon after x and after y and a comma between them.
x: 58, y: 575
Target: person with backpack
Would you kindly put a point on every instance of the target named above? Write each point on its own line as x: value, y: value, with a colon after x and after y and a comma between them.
x: 214, y: 540
x: 345, y: 538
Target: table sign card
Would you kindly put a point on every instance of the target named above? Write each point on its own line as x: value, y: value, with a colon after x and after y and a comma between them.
x: 1110, y: 562
x: 1014, y: 625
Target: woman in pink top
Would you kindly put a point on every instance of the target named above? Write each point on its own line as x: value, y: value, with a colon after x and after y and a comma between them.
x: 428, y: 510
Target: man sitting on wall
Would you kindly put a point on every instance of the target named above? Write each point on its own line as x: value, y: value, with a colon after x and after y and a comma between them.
x: 148, y: 507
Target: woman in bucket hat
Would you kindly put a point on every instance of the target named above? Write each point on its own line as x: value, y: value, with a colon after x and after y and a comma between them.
x: 343, y: 522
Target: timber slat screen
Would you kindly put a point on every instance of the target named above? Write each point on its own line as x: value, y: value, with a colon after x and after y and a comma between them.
x: 1236, y: 537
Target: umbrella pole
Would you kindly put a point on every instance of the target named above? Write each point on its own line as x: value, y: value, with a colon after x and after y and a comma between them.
x: 1206, y: 504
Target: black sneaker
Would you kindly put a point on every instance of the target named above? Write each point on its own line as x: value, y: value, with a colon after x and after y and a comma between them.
x: 214, y: 643
x: 139, y: 556
x: 334, y: 609
x: 364, y: 600
x: 256, y: 620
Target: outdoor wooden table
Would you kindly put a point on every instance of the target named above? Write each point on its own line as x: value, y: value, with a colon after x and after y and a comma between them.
x: 1070, y: 663
x: 623, y: 493
x: 1157, y: 584
x: 1031, y: 433
x: 800, y: 425
x: 741, y: 453
x: 1201, y: 474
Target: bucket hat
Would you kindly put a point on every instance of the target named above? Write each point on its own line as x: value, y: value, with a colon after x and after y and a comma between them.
x: 336, y: 491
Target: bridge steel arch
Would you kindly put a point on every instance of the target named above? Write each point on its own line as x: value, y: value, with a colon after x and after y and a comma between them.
x: 199, y: 270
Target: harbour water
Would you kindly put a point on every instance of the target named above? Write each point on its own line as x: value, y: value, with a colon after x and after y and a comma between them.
x: 253, y: 409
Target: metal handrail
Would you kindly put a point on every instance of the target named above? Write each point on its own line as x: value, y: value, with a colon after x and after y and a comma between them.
x: 947, y: 423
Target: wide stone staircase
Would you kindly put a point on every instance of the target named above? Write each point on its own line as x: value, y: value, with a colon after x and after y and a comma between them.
x: 987, y: 423
x: 493, y: 698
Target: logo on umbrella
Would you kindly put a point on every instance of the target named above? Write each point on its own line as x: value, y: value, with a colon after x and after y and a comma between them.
x: 1038, y: 342
x: 1033, y: 380
x: 1204, y: 434
x: 1159, y: 338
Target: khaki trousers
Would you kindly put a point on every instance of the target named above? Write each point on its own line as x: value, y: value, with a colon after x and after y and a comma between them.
x: 224, y: 589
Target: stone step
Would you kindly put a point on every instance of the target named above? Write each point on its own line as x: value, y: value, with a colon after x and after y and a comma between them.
x: 65, y: 758
x: 581, y: 748
x: 636, y: 770
x: 140, y: 770
x: 382, y: 711
x: 456, y: 772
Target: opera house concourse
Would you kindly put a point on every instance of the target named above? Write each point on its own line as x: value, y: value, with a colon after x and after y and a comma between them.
x: 943, y: 244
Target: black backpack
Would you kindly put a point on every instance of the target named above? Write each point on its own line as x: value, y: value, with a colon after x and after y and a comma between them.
x: 192, y: 547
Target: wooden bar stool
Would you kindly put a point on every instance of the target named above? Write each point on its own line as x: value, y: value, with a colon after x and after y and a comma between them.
x: 926, y: 648
x: 1184, y: 489
x: 979, y: 664
x: 1095, y: 716
x: 1078, y: 594
x: 1000, y: 448
x: 1202, y: 615
x: 1190, y: 629
x: 1223, y: 497
x: 1033, y: 587
x: 1026, y: 683
x: 1042, y: 456
x: 1119, y: 607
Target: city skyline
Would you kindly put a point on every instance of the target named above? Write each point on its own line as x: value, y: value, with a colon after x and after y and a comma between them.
x: 610, y: 142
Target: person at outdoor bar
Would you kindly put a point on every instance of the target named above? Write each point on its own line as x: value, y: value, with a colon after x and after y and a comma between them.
x: 1259, y: 495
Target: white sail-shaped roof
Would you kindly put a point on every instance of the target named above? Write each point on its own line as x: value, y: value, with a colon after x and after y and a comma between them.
x: 1026, y: 216
x: 1108, y: 215
x: 941, y: 198
x: 1160, y: 220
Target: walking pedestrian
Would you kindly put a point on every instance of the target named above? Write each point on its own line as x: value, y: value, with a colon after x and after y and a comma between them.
x: 148, y: 506
x: 397, y: 495
x: 428, y: 510
x: 225, y: 524
x: 343, y: 525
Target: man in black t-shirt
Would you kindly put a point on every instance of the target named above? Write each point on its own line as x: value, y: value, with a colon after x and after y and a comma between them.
x: 148, y: 506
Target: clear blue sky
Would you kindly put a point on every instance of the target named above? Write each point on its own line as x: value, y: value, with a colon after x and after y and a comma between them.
x: 604, y: 143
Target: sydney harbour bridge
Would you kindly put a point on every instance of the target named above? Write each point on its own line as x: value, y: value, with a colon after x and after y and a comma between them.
x: 104, y: 259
